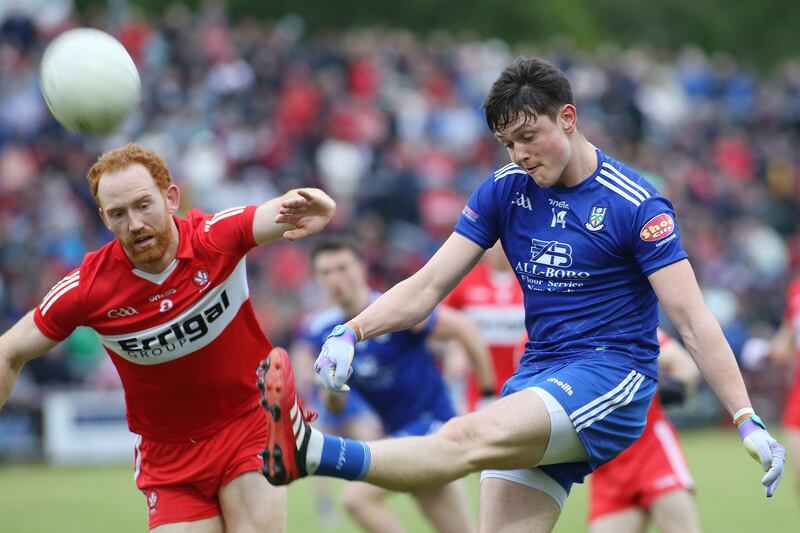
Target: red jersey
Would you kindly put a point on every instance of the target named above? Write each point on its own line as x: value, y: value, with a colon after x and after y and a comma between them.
x: 791, y: 316
x: 495, y: 302
x: 185, y: 342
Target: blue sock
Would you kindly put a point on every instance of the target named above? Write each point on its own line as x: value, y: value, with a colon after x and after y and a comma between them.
x: 343, y: 458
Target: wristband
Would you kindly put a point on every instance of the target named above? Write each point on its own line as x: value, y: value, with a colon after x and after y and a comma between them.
x: 356, y: 329
x: 743, y: 412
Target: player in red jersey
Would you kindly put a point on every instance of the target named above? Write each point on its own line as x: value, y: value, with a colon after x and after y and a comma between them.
x: 169, y: 300
x: 650, y: 480
x: 491, y: 296
x: 785, y: 349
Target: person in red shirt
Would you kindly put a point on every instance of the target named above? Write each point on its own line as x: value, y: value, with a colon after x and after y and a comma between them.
x: 169, y: 301
x: 785, y: 349
x: 491, y: 296
x: 650, y: 480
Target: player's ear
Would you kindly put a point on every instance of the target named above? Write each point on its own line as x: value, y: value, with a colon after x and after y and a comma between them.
x: 568, y: 118
x: 173, y: 197
x: 103, y: 217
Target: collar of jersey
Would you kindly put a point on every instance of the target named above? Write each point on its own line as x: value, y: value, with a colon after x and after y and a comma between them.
x: 185, y: 250
x: 585, y: 183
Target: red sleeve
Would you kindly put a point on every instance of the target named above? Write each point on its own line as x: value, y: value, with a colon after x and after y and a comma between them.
x: 62, y: 309
x: 229, y: 232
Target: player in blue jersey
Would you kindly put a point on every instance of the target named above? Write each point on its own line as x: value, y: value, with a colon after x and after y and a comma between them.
x: 396, y: 376
x: 595, y: 248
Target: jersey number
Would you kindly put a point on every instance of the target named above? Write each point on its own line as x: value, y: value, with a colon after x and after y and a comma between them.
x: 559, y: 217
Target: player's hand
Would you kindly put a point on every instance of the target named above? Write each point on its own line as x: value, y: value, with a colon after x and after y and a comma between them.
x: 765, y: 449
x: 335, y: 358
x: 308, y: 211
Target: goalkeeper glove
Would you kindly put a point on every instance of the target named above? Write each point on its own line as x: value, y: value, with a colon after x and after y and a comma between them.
x: 335, y: 358
x: 763, y: 448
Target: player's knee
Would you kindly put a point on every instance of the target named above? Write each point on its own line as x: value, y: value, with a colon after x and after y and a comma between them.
x: 473, y: 438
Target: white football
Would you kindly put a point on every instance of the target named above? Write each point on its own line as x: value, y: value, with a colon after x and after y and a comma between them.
x: 89, y: 81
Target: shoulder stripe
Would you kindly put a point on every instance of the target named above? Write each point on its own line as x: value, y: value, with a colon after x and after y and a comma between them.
x: 611, y: 177
x: 627, y: 180
x: 619, y: 191
x: 503, y: 169
x: 53, y: 299
x: 65, y: 281
x: 222, y: 215
x: 513, y: 169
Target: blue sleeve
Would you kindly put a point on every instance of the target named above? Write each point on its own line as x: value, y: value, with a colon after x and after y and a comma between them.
x: 656, y: 238
x: 480, y: 219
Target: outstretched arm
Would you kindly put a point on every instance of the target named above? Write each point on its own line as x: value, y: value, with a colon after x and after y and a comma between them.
x: 680, y: 296
x: 455, y: 325
x: 402, y: 307
x: 297, y: 214
x: 20, y: 344
x: 409, y: 302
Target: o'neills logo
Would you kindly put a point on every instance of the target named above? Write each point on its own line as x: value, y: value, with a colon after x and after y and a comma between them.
x: 657, y: 228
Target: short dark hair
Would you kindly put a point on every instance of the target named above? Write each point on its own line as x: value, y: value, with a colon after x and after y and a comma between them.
x: 335, y: 243
x: 529, y: 86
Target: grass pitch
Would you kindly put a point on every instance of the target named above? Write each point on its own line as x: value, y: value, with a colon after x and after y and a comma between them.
x: 44, y: 499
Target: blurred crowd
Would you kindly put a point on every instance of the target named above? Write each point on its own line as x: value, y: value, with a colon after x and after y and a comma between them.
x: 391, y: 125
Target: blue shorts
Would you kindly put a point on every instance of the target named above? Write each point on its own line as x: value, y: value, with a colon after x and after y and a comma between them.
x: 607, y: 401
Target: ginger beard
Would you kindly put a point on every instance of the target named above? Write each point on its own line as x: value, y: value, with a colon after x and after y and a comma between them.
x: 155, y: 248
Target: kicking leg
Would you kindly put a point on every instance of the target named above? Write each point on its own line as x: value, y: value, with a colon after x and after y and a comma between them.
x: 511, y: 433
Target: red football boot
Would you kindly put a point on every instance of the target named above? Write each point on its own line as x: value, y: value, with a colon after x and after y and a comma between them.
x: 287, y: 444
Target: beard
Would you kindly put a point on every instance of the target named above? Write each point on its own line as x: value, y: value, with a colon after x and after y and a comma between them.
x: 162, y: 238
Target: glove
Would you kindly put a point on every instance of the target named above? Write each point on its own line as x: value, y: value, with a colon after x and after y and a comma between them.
x: 764, y: 449
x: 333, y: 363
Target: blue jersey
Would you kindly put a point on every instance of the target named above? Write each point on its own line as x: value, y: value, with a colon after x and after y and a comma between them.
x: 395, y: 373
x: 582, y: 256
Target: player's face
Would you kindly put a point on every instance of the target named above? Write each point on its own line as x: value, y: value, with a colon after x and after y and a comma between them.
x: 138, y: 213
x: 540, y: 146
x: 341, y: 275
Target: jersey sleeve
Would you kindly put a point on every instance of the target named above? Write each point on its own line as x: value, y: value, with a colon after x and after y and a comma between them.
x: 480, y: 220
x: 228, y: 232
x: 62, y: 309
x: 656, y: 239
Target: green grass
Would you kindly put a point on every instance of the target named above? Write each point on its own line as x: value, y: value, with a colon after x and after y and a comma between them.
x: 39, y: 498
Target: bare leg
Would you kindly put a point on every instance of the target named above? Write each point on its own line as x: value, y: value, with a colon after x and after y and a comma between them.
x: 675, y: 512
x: 633, y: 520
x: 508, y: 507
x: 511, y: 433
x: 792, y: 441
x: 448, y: 507
x: 366, y: 504
x: 250, y: 504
